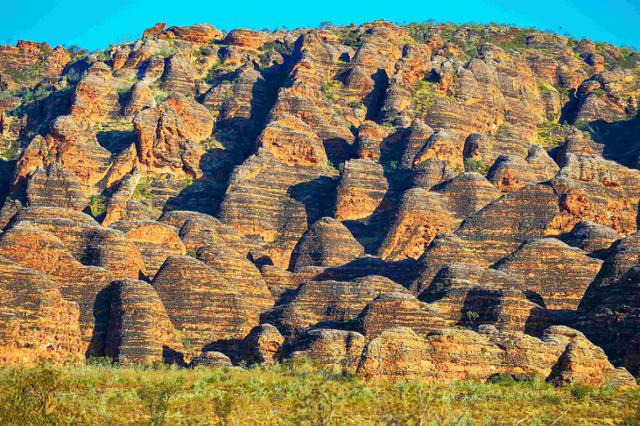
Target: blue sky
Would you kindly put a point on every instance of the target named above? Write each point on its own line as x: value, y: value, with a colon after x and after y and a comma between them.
x: 95, y: 24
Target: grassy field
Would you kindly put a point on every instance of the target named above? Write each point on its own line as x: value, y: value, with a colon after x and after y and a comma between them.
x: 290, y: 395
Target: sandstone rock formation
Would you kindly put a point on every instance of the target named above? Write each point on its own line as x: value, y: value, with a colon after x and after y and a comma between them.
x: 139, y: 330
x: 37, y: 323
x: 427, y: 200
x: 206, y: 310
x: 326, y: 243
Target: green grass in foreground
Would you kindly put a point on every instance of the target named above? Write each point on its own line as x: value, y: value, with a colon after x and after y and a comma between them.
x: 290, y: 395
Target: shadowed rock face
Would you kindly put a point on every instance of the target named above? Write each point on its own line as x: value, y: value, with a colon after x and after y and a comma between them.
x: 470, y: 295
x: 552, y: 272
x: 427, y: 201
x: 206, y: 310
x: 326, y: 243
x: 590, y: 237
x: 139, y: 330
x: 612, y: 318
x: 321, y: 301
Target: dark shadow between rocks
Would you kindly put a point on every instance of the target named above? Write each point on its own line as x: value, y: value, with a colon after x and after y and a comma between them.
x: 316, y: 195
x: 116, y: 141
x: 402, y: 272
x: 101, y: 307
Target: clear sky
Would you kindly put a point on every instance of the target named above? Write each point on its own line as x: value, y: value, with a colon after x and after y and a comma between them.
x: 95, y: 24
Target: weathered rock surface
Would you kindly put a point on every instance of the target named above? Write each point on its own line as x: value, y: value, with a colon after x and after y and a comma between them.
x: 590, y: 237
x: 211, y: 359
x: 467, y: 193
x: 453, y: 354
x: 139, y: 330
x: 469, y: 295
x: 238, y: 271
x: 501, y: 226
x: 326, y: 243
x: 420, y: 217
x: 168, y: 136
x: 334, y: 349
x: 321, y: 301
x: 361, y: 190
x: 156, y: 241
x: 205, y: 309
x: 95, y: 97
x: 462, y: 182
x: 36, y: 324
x: 263, y: 345
x: 555, y: 275
x: 397, y: 309
x: 85, y: 285
x: 54, y: 186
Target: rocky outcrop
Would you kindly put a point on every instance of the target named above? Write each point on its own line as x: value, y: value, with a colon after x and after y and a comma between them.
x: 95, y: 97
x: 397, y: 309
x: 501, y: 226
x: 37, y: 324
x: 316, y: 302
x: 445, y: 249
x: 326, y: 243
x: 467, y: 193
x: 275, y: 202
x: 590, y: 237
x: 200, y: 33
x: 462, y: 182
x: 332, y: 349
x: 87, y: 242
x: 139, y: 330
x: 611, y: 318
x: 168, y: 136
x: 469, y: 295
x: 205, y: 309
x: 156, y: 241
x: 554, y: 274
x: 72, y: 147
x: 420, y: 217
x: 361, y: 190
x: 54, y: 186
x: 599, y: 191
x: 85, y: 285
x: 263, y: 345
x: 140, y: 98
x: 457, y: 355
x: 211, y: 359
x: 198, y: 229
x: 238, y: 271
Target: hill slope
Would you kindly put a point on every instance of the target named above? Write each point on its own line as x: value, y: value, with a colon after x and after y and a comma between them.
x: 426, y: 200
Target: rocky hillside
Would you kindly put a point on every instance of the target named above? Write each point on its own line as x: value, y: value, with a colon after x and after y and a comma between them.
x: 398, y: 201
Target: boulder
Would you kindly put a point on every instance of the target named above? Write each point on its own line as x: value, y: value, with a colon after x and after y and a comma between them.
x: 263, y: 345
x: 337, y: 350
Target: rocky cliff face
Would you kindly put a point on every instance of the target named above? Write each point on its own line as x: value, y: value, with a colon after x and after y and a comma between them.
x: 425, y: 200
